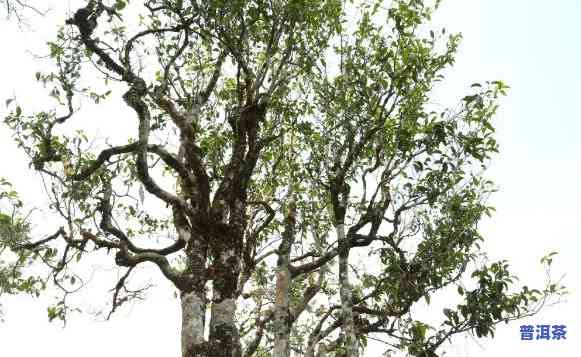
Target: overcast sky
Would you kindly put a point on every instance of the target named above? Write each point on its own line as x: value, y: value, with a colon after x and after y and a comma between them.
x: 532, y: 45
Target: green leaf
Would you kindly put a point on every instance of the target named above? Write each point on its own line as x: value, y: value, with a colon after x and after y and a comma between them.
x: 120, y: 5
x: 51, y: 312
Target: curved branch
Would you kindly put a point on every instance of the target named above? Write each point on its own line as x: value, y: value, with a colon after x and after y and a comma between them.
x: 86, y: 21
x: 134, y: 98
x: 106, y: 225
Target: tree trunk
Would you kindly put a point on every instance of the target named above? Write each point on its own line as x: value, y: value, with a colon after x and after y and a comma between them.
x: 193, y: 312
x: 224, y: 336
x: 348, y: 326
x: 224, y: 339
x: 282, y: 318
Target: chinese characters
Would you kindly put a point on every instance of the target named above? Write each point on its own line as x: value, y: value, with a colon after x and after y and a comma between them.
x: 543, y: 332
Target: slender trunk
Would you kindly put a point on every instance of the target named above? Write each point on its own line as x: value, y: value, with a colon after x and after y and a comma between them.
x: 282, y: 318
x: 348, y: 326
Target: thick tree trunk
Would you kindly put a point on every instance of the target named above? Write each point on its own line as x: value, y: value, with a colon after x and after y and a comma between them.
x: 224, y: 336
x: 193, y: 295
x: 224, y: 339
x: 193, y: 311
x: 348, y: 326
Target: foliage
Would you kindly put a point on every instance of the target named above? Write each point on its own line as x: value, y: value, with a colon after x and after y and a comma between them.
x: 14, y: 231
x: 277, y: 145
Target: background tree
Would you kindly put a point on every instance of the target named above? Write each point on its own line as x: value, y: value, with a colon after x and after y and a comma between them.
x: 276, y: 143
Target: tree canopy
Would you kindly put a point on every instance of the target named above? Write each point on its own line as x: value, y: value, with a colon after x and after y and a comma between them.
x: 286, y: 171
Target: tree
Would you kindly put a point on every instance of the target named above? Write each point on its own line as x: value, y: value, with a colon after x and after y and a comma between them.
x: 275, y: 143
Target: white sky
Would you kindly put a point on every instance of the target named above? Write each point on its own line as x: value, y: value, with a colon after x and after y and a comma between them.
x: 532, y: 45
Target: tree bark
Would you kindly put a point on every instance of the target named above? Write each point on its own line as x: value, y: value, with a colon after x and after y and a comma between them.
x: 224, y: 336
x: 224, y: 339
x: 193, y: 312
x: 282, y: 318
x: 348, y: 326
